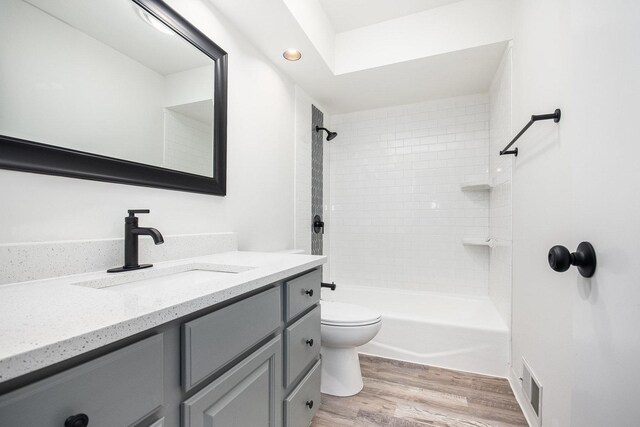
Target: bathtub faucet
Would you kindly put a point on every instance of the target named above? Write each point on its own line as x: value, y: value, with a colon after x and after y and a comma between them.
x: 331, y: 285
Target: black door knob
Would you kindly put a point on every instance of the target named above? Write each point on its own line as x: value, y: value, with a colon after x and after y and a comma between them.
x: 78, y: 420
x: 310, y: 342
x: 560, y: 259
x: 309, y: 403
x: 309, y: 292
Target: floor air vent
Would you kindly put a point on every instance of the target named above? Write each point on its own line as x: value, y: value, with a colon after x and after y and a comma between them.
x: 532, y: 389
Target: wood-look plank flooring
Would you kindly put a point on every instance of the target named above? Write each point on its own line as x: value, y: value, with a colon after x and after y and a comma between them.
x: 402, y: 394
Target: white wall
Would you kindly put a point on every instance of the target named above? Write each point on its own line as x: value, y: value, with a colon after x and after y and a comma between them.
x: 500, y: 169
x: 259, y: 205
x: 573, y: 181
x: 398, y: 215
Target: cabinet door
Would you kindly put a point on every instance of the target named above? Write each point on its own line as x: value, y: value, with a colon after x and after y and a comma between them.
x: 248, y: 395
x: 117, y: 389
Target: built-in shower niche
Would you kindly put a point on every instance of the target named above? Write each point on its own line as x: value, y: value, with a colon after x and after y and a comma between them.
x: 188, y: 132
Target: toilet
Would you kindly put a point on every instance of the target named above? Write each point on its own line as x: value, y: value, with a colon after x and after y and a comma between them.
x: 343, y: 328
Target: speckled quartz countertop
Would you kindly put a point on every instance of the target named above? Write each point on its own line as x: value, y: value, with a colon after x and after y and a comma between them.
x: 47, y: 321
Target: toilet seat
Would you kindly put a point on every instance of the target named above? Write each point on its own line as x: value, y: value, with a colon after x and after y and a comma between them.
x: 342, y: 314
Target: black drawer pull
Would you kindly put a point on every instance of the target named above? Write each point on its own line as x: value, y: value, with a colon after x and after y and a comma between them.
x: 310, y: 342
x: 309, y: 403
x: 309, y: 292
x: 78, y: 420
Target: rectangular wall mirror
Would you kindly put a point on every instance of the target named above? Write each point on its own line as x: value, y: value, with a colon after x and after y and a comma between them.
x: 121, y: 91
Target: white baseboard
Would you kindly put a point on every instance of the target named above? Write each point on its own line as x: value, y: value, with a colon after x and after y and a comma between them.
x: 527, y: 410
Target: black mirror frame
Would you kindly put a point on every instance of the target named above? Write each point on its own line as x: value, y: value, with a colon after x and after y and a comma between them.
x: 30, y: 156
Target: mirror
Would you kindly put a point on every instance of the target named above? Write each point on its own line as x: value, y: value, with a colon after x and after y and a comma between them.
x: 121, y: 91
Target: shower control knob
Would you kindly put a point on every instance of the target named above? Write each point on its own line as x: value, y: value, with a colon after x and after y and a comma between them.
x: 560, y: 259
x: 318, y: 224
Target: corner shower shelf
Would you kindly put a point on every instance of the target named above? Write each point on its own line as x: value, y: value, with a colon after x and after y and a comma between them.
x: 475, y: 186
x: 477, y: 241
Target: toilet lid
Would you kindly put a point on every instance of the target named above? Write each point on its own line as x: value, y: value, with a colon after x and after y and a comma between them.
x: 341, y: 314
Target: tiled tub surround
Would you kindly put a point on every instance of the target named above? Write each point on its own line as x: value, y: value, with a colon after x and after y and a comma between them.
x: 398, y: 215
x: 500, y: 171
x: 34, y: 334
x: 32, y: 261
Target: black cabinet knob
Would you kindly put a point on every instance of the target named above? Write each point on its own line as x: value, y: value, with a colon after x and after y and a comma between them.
x: 310, y: 342
x: 560, y: 259
x: 309, y: 403
x: 309, y: 292
x: 78, y: 420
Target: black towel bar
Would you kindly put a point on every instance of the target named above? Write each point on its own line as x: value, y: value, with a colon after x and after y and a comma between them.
x: 555, y: 116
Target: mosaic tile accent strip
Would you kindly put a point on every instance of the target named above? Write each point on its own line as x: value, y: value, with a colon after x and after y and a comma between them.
x: 317, y: 119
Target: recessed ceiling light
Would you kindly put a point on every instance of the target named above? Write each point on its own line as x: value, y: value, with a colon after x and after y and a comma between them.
x: 292, y: 54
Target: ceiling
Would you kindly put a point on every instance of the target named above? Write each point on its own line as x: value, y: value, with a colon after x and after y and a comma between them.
x: 346, y: 15
x: 453, y: 50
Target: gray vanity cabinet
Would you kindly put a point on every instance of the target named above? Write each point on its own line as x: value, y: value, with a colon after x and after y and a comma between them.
x: 118, y: 389
x: 247, y: 395
x: 250, y: 362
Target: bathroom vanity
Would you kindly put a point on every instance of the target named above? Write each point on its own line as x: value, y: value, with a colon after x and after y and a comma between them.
x: 167, y: 346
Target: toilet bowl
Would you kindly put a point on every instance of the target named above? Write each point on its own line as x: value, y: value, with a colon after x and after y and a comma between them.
x: 343, y: 328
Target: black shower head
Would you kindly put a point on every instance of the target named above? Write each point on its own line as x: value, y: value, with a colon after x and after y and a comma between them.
x: 330, y: 135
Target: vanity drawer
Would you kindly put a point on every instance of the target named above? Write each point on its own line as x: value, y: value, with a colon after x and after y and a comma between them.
x: 302, y: 293
x: 214, y: 340
x: 118, y: 389
x: 304, y: 400
x: 303, y: 345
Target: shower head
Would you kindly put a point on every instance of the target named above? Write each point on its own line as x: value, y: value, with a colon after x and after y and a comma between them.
x: 330, y: 135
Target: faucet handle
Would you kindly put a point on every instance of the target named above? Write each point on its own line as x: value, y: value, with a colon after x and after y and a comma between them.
x: 133, y: 212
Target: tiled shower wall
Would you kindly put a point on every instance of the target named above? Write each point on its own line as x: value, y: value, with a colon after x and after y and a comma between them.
x: 500, y: 133
x: 398, y: 215
x: 187, y: 144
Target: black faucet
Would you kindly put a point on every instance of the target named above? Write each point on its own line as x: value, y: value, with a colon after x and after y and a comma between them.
x: 131, y: 233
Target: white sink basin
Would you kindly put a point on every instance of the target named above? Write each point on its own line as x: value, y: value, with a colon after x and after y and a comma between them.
x: 162, y: 278
x: 174, y: 280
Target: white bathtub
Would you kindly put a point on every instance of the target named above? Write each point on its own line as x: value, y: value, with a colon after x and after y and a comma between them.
x: 450, y: 331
